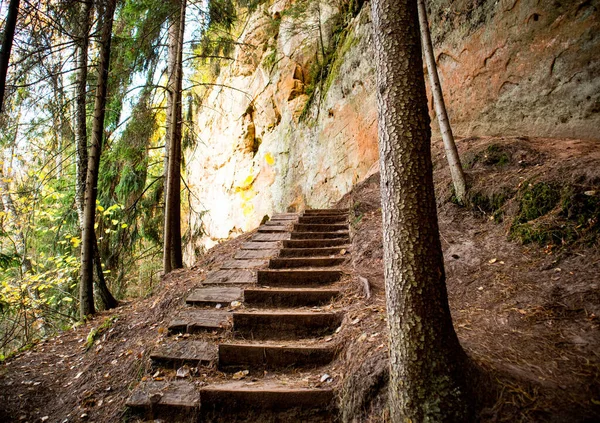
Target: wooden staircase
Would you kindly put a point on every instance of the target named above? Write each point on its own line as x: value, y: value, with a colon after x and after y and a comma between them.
x: 266, y: 359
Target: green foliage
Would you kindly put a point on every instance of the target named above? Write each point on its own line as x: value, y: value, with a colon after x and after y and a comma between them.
x: 328, y: 58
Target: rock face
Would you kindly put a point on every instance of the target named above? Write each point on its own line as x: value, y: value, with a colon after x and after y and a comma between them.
x: 279, y: 132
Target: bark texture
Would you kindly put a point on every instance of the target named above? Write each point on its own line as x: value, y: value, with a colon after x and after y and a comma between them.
x: 172, y: 253
x: 426, y: 359
x: 80, y: 118
x: 7, y: 41
x: 456, y: 170
x: 88, y: 236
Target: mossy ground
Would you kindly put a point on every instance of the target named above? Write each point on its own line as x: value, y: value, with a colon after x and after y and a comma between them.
x: 554, y: 206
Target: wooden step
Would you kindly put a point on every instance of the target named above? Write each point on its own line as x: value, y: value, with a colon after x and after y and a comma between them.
x: 315, y: 243
x: 266, y: 245
x: 289, y: 297
x: 323, y: 219
x: 273, y: 356
x: 297, y: 278
x: 198, y: 320
x: 214, y: 295
x: 176, y: 400
x: 284, y: 324
x: 292, y: 262
x: 266, y: 236
x: 285, y: 216
x: 320, y: 235
x: 230, y: 276
x: 245, y: 264
x: 264, y: 396
x: 308, y: 252
x: 325, y: 211
x: 317, y: 227
x: 274, y: 228
x: 282, y: 223
x: 192, y: 352
x: 255, y: 254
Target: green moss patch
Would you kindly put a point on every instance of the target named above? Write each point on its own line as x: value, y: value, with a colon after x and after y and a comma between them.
x: 551, y: 213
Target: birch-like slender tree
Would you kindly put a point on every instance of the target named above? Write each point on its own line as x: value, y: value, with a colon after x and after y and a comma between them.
x: 88, y: 236
x: 172, y: 253
x: 456, y: 170
x: 427, y: 362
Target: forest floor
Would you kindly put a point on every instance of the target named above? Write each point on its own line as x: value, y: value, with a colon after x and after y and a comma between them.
x: 523, y: 275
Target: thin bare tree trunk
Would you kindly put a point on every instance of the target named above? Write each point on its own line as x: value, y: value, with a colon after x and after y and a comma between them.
x: 86, y: 293
x: 172, y: 253
x: 7, y: 42
x: 427, y: 363
x: 456, y: 170
x: 80, y: 119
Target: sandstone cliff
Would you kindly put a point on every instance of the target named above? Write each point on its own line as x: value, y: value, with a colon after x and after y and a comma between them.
x: 292, y: 122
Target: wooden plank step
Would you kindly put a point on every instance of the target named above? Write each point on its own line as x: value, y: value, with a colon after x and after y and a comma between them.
x: 289, y: 297
x: 285, y: 324
x: 170, y: 400
x: 244, y: 264
x: 282, y: 223
x: 297, y: 278
x: 198, y: 320
x: 214, y: 295
x: 314, y: 243
x: 293, y: 262
x: 274, y: 228
x: 230, y: 276
x: 285, y: 216
x: 273, y: 356
x: 256, y: 254
x: 308, y: 252
x: 192, y: 352
x: 266, y: 236
x: 325, y: 211
x: 264, y: 396
x: 268, y: 245
x: 323, y: 219
x: 320, y: 235
x: 317, y: 227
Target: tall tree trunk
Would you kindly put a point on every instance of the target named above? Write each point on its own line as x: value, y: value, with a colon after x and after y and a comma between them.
x: 456, y: 170
x: 80, y: 120
x: 7, y: 42
x: 172, y: 254
x: 173, y: 42
x: 426, y: 359
x: 86, y: 292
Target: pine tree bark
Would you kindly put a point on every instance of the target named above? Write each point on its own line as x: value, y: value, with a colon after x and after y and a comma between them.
x: 172, y: 253
x: 426, y: 359
x: 7, y: 42
x: 80, y: 118
x: 456, y: 170
x: 86, y: 292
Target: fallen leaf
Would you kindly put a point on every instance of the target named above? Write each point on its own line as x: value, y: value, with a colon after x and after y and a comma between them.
x: 326, y: 378
x: 240, y: 375
x: 183, y: 372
